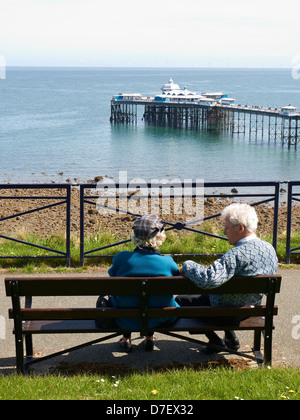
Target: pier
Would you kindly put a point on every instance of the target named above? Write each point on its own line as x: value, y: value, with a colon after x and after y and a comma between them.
x: 186, y: 110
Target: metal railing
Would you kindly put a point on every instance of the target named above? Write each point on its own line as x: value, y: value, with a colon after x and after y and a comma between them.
x: 262, y: 197
x: 259, y: 192
x: 56, y: 200
x: 293, y: 196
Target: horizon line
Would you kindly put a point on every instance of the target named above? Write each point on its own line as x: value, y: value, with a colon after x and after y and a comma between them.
x: 148, y: 67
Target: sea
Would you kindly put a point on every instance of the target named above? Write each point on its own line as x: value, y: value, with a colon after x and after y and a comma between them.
x: 55, y: 126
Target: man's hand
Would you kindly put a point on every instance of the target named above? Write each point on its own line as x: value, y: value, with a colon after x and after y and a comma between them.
x: 181, y: 272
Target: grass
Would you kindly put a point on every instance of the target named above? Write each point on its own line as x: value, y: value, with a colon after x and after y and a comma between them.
x: 177, y: 243
x: 173, y: 384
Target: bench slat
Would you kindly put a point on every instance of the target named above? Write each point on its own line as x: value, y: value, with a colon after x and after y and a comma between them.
x: 75, y: 313
x: 196, y: 324
x: 87, y: 286
x: 89, y: 326
x: 183, y: 312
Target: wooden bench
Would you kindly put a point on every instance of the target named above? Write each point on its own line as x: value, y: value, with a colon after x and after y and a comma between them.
x: 29, y: 320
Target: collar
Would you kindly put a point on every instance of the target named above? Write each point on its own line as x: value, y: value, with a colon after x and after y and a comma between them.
x: 147, y: 250
x: 246, y: 239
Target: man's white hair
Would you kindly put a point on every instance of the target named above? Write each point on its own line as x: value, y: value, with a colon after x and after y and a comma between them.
x: 241, y: 214
x: 154, y: 243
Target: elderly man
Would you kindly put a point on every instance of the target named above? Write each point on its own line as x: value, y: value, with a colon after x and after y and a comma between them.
x: 250, y: 257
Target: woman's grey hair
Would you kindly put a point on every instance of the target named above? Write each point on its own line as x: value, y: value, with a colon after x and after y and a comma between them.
x: 154, y: 243
x: 241, y: 214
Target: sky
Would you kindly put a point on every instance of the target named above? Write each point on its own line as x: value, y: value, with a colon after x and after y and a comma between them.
x: 156, y: 33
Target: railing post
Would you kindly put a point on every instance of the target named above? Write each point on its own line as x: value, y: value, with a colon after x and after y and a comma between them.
x: 82, y: 225
x: 68, y: 227
x: 276, y: 211
x: 289, y: 223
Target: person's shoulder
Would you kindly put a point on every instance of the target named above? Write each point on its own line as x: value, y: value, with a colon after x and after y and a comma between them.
x: 257, y: 245
x: 122, y: 255
x: 262, y: 243
x: 167, y: 262
x: 269, y: 247
x: 166, y: 258
x: 265, y: 243
x: 232, y: 251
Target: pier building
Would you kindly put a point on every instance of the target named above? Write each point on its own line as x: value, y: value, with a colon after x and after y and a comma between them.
x: 211, y: 111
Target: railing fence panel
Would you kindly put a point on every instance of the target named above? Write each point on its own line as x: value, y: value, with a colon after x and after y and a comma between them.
x: 255, y: 193
x: 293, y: 197
x: 48, y: 197
x: 260, y: 192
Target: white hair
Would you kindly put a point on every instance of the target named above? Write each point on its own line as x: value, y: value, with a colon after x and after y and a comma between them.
x: 154, y: 242
x: 241, y: 214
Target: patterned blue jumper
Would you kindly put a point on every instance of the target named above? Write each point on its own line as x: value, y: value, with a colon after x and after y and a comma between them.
x: 248, y: 258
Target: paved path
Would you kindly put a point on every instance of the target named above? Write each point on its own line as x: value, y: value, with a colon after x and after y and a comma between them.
x: 168, y: 351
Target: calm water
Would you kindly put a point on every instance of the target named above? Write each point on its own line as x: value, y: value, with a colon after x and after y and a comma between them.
x: 56, y: 119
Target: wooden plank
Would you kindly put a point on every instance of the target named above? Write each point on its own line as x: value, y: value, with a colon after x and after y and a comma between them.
x: 74, y: 286
x: 200, y: 325
x: 85, y: 286
x: 62, y: 327
x: 75, y: 313
x: 89, y: 326
x: 185, y: 312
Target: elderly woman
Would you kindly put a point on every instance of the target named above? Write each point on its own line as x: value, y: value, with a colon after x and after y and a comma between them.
x: 250, y: 257
x: 145, y: 260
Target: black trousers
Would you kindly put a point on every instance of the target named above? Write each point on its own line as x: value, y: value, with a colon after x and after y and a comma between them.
x: 203, y: 300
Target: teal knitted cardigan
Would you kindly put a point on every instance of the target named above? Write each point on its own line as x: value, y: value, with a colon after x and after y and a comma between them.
x: 142, y: 262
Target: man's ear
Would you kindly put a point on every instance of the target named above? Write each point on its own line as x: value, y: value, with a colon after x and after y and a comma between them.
x: 242, y: 228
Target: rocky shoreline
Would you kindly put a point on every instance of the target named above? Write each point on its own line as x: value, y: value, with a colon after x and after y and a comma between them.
x: 51, y: 221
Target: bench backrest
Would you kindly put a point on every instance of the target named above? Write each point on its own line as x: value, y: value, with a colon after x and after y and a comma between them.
x: 16, y: 287
x: 128, y: 286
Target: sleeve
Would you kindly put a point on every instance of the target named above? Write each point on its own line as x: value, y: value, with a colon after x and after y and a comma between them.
x: 173, y: 267
x: 213, y: 276
x: 113, y: 270
x: 175, y: 270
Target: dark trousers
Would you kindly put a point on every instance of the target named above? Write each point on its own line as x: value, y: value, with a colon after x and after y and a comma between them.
x: 203, y: 300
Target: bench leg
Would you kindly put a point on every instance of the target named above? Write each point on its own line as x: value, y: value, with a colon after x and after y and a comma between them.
x: 28, y: 337
x: 257, y: 340
x: 257, y: 347
x: 20, y: 355
x: 29, y: 346
x: 268, y: 348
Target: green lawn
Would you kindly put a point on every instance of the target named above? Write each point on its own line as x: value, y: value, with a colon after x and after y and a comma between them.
x: 178, y: 384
